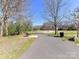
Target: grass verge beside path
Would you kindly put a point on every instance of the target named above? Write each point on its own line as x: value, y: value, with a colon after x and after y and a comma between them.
x: 12, y: 47
x: 16, y: 52
x: 67, y: 34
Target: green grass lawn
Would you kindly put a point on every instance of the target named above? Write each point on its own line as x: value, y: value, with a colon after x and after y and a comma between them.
x: 67, y: 34
x: 13, y: 46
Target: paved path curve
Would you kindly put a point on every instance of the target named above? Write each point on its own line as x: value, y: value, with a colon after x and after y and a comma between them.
x: 51, y: 48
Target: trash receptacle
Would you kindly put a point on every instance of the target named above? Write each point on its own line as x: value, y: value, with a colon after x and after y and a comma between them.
x: 61, y: 34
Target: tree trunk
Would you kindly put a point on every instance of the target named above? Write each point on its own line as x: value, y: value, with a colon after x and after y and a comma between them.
x: 5, y: 26
x: 55, y: 30
x: 77, y: 32
x: 55, y: 25
x: 1, y: 29
x: 77, y: 29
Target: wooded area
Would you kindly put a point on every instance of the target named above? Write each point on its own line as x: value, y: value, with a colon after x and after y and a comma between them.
x: 13, y: 10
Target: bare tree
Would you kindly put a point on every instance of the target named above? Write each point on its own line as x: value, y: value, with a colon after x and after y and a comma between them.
x: 9, y: 8
x: 76, y: 18
x: 52, y: 9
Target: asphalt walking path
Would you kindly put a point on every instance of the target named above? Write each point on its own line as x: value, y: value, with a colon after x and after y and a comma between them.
x: 46, y: 47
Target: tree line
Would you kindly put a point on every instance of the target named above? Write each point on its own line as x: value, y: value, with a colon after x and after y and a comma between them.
x: 14, y: 9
